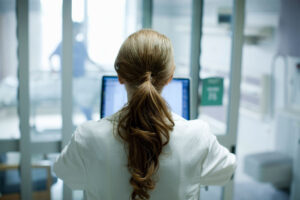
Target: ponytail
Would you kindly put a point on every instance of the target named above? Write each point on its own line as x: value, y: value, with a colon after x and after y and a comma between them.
x: 145, y: 62
x: 145, y: 127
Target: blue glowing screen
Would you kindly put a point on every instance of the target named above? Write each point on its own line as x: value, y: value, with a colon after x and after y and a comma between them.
x: 176, y: 94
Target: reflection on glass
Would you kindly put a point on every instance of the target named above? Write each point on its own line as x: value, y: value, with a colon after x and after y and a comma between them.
x: 95, y: 45
x: 174, y: 18
x: 9, y: 121
x: 45, y: 82
x: 215, y: 57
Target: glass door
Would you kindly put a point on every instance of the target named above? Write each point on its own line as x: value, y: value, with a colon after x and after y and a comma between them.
x: 9, y: 118
x: 98, y: 30
x: 174, y: 19
x: 215, y: 58
x: 222, y: 41
x: 50, y: 97
x: 95, y: 46
x: 45, y: 81
x: 218, y: 29
x: 216, y: 42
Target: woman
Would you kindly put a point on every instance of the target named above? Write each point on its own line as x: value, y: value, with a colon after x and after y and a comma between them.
x: 144, y: 151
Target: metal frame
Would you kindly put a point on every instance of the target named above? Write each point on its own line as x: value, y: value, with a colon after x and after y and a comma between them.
x: 295, y: 192
x: 23, y: 95
x: 147, y: 6
x: 67, y: 89
x: 41, y: 147
x: 229, y: 139
x: 235, y: 69
x: 197, y: 18
x: 235, y: 80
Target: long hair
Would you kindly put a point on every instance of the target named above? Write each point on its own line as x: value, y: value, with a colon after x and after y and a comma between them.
x: 145, y: 62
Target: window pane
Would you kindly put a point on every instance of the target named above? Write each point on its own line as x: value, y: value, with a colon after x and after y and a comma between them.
x: 45, y: 78
x: 9, y: 121
x: 261, y: 36
x: 95, y: 47
x: 174, y: 18
x: 215, y: 57
x: 105, y: 27
x: 215, y: 62
x: 45, y: 28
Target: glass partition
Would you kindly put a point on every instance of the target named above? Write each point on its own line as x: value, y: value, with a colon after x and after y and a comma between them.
x: 95, y: 47
x: 260, y: 45
x: 9, y: 120
x: 174, y: 19
x: 216, y: 56
x: 45, y: 35
x: 45, y: 20
x: 215, y: 61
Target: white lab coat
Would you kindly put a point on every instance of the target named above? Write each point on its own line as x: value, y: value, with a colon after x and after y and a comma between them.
x: 95, y: 161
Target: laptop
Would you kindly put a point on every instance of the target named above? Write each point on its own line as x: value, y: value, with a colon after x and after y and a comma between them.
x: 114, y: 96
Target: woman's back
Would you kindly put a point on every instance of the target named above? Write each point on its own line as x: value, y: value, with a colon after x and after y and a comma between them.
x: 144, y: 151
x: 96, y: 161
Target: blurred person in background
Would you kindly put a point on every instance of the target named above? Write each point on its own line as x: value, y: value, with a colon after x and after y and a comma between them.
x: 80, y: 57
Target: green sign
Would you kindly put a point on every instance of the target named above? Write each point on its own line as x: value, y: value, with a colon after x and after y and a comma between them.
x: 212, y: 91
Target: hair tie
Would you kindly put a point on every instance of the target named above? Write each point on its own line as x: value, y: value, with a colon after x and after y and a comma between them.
x: 148, y: 76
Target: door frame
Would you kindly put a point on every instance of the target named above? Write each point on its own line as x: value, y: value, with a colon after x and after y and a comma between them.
x: 229, y: 139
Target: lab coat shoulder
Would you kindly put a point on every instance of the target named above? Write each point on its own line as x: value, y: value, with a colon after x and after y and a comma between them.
x: 70, y: 166
x: 206, y: 161
x: 89, y: 131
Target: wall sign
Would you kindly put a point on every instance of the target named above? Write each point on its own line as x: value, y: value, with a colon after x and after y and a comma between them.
x: 212, y: 91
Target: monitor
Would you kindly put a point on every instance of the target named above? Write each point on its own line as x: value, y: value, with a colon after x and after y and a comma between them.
x: 114, y: 96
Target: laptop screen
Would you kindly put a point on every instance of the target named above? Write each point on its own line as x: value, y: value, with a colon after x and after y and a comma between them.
x: 114, y: 96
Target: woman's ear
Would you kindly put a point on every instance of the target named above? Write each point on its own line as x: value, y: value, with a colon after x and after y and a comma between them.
x: 170, y: 79
x: 121, y: 81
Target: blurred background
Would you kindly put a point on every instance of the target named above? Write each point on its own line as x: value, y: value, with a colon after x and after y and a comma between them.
x: 254, y: 45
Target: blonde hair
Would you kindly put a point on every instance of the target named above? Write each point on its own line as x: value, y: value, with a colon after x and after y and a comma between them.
x: 145, y: 62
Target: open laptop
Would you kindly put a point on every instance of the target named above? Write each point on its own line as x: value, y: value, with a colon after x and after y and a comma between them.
x: 114, y: 96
